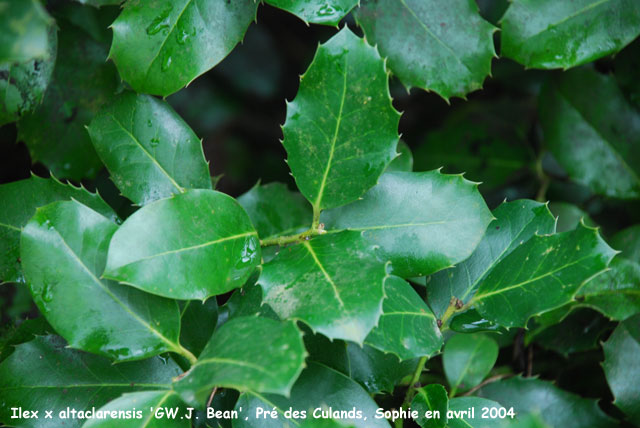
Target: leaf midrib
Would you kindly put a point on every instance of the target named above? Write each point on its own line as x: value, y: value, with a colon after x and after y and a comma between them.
x: 172, y: 345
x: 149, y: 155
x: 324, y: 272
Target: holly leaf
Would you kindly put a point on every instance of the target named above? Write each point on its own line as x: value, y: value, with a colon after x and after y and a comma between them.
x: 332, y: 283
x: 376, y: 371
x: 315, y: 11
x: 515, y: 223
x: 621, y: 367
x: 467, y: 360
x: 542, y: 274
x: 407, y: 327
x: 417, y: 241
x: 275, y: 210
x: 162, y: 47
x: 531, y: 395
x: 198, y: 321
x: 99, y: 3
x: 344, y: 91
x: 431, y: 398
x: 23, y: 84
x: 249, y: 354
x: 318, y: 389
x: 24, y: 32
x: 150, y: 152
x: 82, y: 81
x: 447, y: 50
x: 567, y: 33
x: 568, y: 216
x: 207, y: 246
x: 45, y: 375
x: 616, y: 293
x: 585, y: 118
x: 147, y: 402
x: 24, y: 197
x: 403, y: 160
x: 63, y: 250
x: 470, y: 321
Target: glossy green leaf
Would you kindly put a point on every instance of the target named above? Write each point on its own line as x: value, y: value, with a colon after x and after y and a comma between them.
x: 431, y: 398
x: 341, y: 129
x: 246, y: 353
x: 146, y: 402
x: 407, y: 327
x: 150, y: 152
x: 566, y: 33
x: 275, y: 210
x: 376, y: 371
x: 162, y: 46
x: 24, y: 197
x: 318, y: 389
x: 580, y: 331
x: 621, y: 367
x: 531, y: 395
x: 198, y: 321
x: 569, y: 216
x: 464, y: 420
x: 593, y: 132
x: 470, y: 321
x: 467, y: 360
x: 542, y: 274
x: 24, y: 31
x: 403, y: 160
x: 45, y: 375
x: 316, y: 11
x: 82, y: 81
x: 333, y: 283
x: 63, y: 250
x: 207, y: 246
x: 25, y: 332
x: 485, y: 140
x: 422, y: 221
x: 516, y: 222
x: 246, y: 301
x: 22, y: 85
x: 442, y: 48
x: 616, y: 293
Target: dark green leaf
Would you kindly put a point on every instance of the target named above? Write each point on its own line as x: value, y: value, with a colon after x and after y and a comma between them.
x: 25, y: 332
x: 341, y: 129
x: 316, y: 11
x: 403, y: 160
x: 446, y: 48
x: 407, y: 327
x: 246, y: 353
x: 246, y: 301
x: 627, y: 70
x: 376, y: 371
x: 470, y: 321
x: 198, y: 321
x: 566, y: 33
x: 422, y: 221
x: 22, y: 85
x: 531, y: 395
x: 486, y: 141
x: 191, y: 246
x: 568, y: 216
x: 82, y: 82
x: 99, y: 3
x: 162, y: 46
x: 467, y: 360
x: 516, y: 222
x: 146, y: 402
x: 24, y: 32
x: 275, y: 210
x: 63, y: 250
x: 333, y: 283
x: 431, y: 398
x: 593, y: 132
x: 24, y: 197
x: 621, y: 367
x: 542, y: 274
x: 148, y: 149
x: 45, y: 375
x: 318, y: 389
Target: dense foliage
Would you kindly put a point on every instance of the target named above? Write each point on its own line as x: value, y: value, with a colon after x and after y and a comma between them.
x: 371, y: 279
